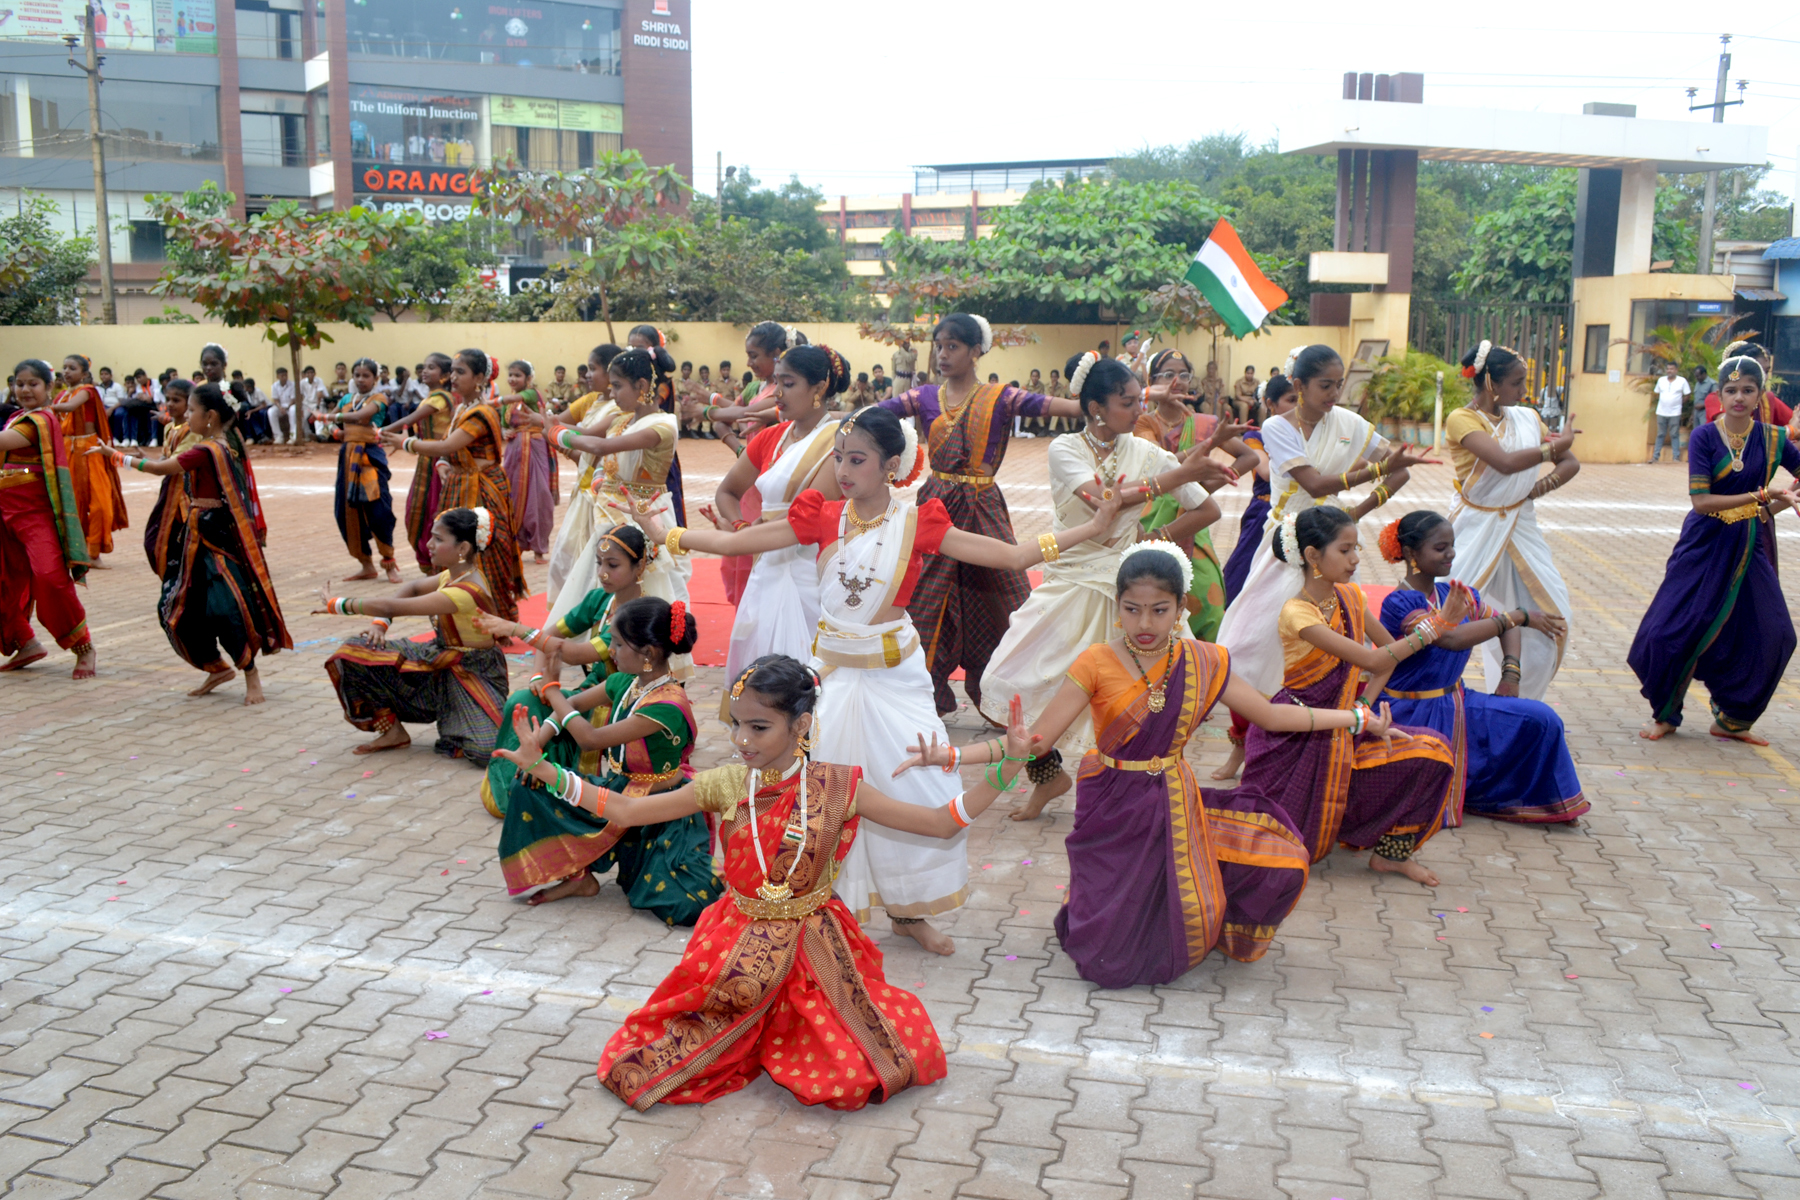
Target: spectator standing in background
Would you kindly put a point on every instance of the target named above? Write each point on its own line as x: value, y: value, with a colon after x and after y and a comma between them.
x: 1706, y: 389
x: 1672, y: 392
x: 906, y: 363
x: 1243, y: 394
x: 111, y: 394
x: 284, y: 409
x: 1550, y: 406
x: 316, y: 403
x: 880, y: 385
x: 1210, y: 389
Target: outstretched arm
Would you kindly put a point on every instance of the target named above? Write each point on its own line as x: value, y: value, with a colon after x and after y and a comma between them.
x: 623, y: 810
x: 981, y: 551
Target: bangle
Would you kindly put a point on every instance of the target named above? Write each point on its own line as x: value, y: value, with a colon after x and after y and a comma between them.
x: 738, y: 524
x: 1381, y: 495
x: 565, y: 437
x: 1048, y: 548
x: 1312, y: 720
x: 381, y: 623
x: 958, y: 813
x: 1356, y: 720
x: 550, y: 723
x: 672, y: 542
x: 338, y: 606
x: 1548, y: 451
x: 949, y: 768
x: 1345, y: 480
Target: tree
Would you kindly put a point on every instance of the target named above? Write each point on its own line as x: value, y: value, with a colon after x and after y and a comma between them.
x: 737, y: 272
x: 1065, y: 252
x: 428, y: 262
x: 622, y: 213
x: 1743, y: 211
x: 40, y: 269
x: 285, y: 269
x: 1526, y: 251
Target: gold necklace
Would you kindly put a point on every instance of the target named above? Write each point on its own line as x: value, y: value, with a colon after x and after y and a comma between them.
x: 857, y: 524
x: 1104, y: 452
x: 1158, y: 693
x: 1328, y: 607
x: 1736, y: 443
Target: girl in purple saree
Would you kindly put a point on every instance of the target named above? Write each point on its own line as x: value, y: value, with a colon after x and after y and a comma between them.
x: 1162, y: 871
x: 1386, y: 794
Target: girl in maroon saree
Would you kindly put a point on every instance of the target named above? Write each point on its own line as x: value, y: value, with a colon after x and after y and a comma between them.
x: 1162, y: 871
x: 1390, y: 794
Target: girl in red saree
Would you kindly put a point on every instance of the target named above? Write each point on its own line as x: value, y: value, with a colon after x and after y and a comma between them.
x: 218, y: 603
x: 778, y: 976
x: 1161, y: 871
x: 43, y: 551
x: 473, y: 476
x: 98, y: 497
x: 1387, y: 794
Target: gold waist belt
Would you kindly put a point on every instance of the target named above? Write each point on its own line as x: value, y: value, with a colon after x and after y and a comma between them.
x: 15, y: 477
x: 975, y: 481
x: 643, y: 491
x: 1743, y: 512
x: 1149, y: 766
x: 791, y: 909
x: 893, y: 652
x: 1433, y: 694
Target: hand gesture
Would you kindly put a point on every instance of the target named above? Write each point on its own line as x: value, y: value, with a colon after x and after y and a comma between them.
x: 1020, y: 741
x: 653, y: 528
x: 923, y: 754
x: 1562, y: 443
x: 712, y: 515
x: 1544, y: 623
x: 324, y: 599
x: 1405, y: 454
x: 1227, y: 428
x: 493, y: 626
x: 1380, y: 723
x: 1210, y: 474
x: 1457, y: 605
x: 1111, y: 500
x: 1507, y: 687
x: 391, y: 439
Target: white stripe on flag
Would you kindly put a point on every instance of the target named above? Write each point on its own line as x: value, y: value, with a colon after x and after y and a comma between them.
x: 1212, y: 256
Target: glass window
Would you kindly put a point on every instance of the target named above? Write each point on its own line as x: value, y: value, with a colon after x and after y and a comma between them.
x: 551, y: 149
x: 396, y: 125
x: 321, y: 125
x: 268, y: 28
x: 273, y: 139
x: 141, y: 120
x: 147, y: 241
x: 1593, y: 355
x: 564, y: 37
x: 1650, y: 315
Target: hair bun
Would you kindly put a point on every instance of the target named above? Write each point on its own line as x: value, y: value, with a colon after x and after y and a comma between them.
x: 1390, y: 542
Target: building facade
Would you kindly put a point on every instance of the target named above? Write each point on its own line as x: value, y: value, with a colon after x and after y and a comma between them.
x: 385, y: 103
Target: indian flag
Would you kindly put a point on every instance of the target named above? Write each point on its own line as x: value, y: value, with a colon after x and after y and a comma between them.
x: 1227, y: 276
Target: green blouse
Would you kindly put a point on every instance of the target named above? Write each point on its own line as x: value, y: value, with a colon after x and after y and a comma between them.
x: 590, y: 618
x: 660, y: 754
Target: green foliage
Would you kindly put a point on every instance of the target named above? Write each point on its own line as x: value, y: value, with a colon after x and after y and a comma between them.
x: 285, y: 269
x: 789, y: 213
x: 1698, y: 345
x: 428, y: 262
x: 40, y: 269
x: 623, y: 213
x: 1064, y: 253
x: 173, y: 315
x: 1743, y: 210
x: 1404, y: 387
x: 1526, y: 250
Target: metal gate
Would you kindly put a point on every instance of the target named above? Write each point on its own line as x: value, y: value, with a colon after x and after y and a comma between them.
x: 1540, y: 333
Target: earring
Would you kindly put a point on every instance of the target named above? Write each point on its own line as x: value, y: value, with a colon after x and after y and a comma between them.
x: 1317, y: 574
x: 892, y: 478
x: 1118, y: 624
x: 804, y: 745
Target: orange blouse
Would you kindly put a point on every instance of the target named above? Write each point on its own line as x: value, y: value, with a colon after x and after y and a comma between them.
x: 1112, y: 686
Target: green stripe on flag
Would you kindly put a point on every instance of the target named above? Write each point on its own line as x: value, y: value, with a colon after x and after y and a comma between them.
x: 1220, y: 297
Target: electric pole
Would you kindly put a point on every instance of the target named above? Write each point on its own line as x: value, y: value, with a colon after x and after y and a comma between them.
x: 1718, y: 106
x: 109, y: 311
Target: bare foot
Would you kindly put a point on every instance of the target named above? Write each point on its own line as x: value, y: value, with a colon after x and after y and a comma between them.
x: 922, y: 933
x: 394, y: 739
x: 1412, y: 868
x: 583, y: 884
x: 393, y: 572
x: 1234, y: 762
x: 1748, y: 738
x: 85, y: 663
x: 97, y: 565
x: 537, y: 558
x: 1041, y: 795
x: 215, y: 679
x: 29, y: 653
x: 368, y: 572
x: 1656, y: 731
x: 252, y: 687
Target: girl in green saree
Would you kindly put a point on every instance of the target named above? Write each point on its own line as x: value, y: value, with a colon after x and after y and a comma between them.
x: 644, y: 745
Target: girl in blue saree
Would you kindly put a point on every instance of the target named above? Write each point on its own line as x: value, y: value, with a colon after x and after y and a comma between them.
x: 1720, y: 616
x: 1511, y: 759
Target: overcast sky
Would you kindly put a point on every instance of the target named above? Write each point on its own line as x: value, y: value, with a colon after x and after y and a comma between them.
x: 849, y: 96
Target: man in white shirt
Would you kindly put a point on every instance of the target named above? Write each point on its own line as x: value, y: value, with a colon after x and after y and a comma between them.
x: 315, y: 401
x: 1671, y: 391
x: 284, y: 407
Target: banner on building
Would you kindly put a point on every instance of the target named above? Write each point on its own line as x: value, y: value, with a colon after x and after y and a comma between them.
x: 118, y: 24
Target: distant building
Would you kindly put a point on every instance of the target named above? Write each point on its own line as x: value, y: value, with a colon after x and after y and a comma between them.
x: 951, y: 202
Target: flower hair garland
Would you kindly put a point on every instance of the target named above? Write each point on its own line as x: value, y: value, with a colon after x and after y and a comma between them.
x: 1081, y: 372
x: 1289, y: 533
x: 1391, y: 550
x: 677, y: 621
x: 1287, y: 368
x: 484, y: 528
x: 987, y: 332
x: 912, y: 458
x: 1159, y: 546
x: 1481, y: 356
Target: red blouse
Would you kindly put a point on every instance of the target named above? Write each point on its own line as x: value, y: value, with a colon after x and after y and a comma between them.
x: 760, y: 450
x: 198, y: 462
x: 816, y: 520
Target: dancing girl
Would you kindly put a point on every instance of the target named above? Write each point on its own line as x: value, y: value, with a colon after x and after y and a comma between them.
x: 872, y: 549
x: 431, y: 420
x: 1383, y: 794
x: 361, y: 502
x: 456, y: 680
x: 1317, y: 450
x: 86, y: 425
x: 218, y: 604
x: 1512, y: 760
x: 641, y: 746
x: 589, y: 414
x: 1720, y: 615
x: 43, y: 546
x: 530, y: 467
x: 962, y: 609
x: 1279, y: 397
x: 1075, y: 605
x: 473, y: 477
x: 1496, y: 445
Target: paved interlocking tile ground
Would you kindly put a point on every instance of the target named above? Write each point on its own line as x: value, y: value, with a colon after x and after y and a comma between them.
x: 223, y: 940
